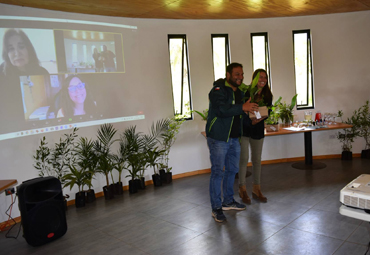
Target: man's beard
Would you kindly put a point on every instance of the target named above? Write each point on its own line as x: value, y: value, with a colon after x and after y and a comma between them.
x: 234, y: 84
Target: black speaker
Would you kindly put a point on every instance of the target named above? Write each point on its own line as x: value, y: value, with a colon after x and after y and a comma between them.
x: 41, y: 204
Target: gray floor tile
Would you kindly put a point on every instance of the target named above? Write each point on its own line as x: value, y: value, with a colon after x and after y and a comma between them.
x: 352, y: 249
x: 244, y: 231
x: 325, y: 223
x: 361, y: 235
x: 293, y: 242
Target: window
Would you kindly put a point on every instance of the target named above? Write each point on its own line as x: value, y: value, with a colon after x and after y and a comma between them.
x: 180, y: 75
x: 220, y: 54
x: 303, y: 69
x: 74, y: 53
x: 260, y: 53
x: 84, y: 50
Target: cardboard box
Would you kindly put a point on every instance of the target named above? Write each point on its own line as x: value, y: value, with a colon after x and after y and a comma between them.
x: 263, y: 112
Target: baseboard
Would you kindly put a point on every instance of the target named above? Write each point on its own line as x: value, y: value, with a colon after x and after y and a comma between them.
x: 208, y: 170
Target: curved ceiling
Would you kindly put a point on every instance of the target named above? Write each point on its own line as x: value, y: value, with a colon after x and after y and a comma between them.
x: 198, y: 9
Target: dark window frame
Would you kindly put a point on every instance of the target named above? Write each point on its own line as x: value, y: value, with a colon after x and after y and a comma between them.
x: 267, y: 54
x: 185, y: 47
x: 227, y: 50
x: 309, y: 70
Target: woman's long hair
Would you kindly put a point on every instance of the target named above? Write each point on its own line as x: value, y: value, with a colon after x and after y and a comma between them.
x: 266, y: 92
x: 32, y: 57
x: 67, y: 105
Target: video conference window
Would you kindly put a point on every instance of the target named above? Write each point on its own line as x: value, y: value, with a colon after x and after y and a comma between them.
x: 51, y: 76
x: 89, y: 51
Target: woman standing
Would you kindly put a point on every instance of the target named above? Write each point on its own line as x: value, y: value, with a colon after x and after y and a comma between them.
x: 98, y: 61
x: 253, y: 136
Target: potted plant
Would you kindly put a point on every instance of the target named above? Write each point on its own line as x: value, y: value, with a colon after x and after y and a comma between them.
x: 361, y: 119
x: 152, y: 158
x: 134, y: 162
x: 346, y: 137
x: 272, y: 121
x: 56, y: 161
x: 168, y: 139
x: 77, y: 177
x: 87, y: 160
x: 105, y: 157
x: 132, y: 144
x: 286, y: 111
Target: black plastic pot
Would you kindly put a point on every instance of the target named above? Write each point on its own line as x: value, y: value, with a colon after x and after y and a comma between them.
x: 346, y: 155
x: 169, y: 177
x: 137, y: 183
x: 365, y: 154
x: 156, y: 180
x: 118, y: 188
x: 80, y: 199
x: 90, y: 196
x: 132, y: 186
x: 108, y: 192
x: 162, y: 173
x: 142, y: 183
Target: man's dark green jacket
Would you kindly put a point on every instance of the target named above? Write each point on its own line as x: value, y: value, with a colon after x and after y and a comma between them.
x: 222, y: 111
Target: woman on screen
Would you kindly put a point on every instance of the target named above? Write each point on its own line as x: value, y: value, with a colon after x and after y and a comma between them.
x: 98, y: 61
x: 19, y: 55
x: 75, y: 98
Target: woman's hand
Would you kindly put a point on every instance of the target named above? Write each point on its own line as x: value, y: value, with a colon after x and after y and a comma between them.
x: 255, y: 121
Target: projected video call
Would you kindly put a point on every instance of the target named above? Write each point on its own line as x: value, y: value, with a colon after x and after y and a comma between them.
x: 59, y: 76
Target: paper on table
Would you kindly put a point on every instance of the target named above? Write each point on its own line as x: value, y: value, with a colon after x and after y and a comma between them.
x: 294, y: 128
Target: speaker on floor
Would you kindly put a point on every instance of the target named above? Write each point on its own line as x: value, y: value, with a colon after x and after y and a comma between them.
x: 41, y: 204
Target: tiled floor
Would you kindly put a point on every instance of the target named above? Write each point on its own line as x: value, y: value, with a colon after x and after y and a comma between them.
x: 300, y: 217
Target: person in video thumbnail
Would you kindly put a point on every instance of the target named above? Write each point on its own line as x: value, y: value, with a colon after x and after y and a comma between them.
x: 108, y: 60
x: 75, y: 99
x: 98, y: 61
x: 19, y: 55
x: 19, y: 59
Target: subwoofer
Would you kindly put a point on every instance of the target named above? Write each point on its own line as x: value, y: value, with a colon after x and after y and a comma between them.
x: 42, y: 208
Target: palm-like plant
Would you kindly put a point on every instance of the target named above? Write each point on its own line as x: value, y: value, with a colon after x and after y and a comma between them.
x: 87, y: 158
x: 131, y: 148
x: 77, y: 177
x: 169, y: 138
x: 152, y: 158
x: 102, y: 147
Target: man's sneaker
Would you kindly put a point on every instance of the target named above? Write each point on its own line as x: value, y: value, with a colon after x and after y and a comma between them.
x: 218, y: 215
x: 233, y: 206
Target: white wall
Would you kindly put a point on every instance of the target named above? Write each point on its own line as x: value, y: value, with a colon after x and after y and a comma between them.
x: 341, y: 54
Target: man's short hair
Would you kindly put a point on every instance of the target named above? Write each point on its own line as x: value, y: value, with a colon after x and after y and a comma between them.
x: 229, y: 68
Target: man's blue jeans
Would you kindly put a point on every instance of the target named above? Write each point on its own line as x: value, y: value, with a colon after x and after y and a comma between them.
x: 223, y: 154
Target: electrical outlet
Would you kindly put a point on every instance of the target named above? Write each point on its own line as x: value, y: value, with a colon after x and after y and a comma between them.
x: 9, y: 191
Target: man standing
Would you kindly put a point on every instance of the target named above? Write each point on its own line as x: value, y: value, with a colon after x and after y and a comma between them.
x: 108, y: 60
x: 223, y: 129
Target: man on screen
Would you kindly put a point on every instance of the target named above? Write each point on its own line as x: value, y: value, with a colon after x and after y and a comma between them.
x: 108, y: 60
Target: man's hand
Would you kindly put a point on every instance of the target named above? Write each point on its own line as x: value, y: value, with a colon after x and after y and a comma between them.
x: 250, y: 107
